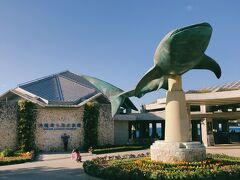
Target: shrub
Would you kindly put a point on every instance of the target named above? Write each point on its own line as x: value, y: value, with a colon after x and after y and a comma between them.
x: 139, y: 167
x: 26, y: 124
x: 17, y: 158
x: 110, y: 149
x: 7, y: 153
x: 90, y: 125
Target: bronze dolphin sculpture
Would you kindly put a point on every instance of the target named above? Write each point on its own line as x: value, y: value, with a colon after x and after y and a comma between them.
x: 179, y: 51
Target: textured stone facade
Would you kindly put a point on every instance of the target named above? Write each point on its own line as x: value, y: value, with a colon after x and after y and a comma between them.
x: 105, y: 125
x: 52, y: 123
x: 8, y: 124
x: 176, y: 152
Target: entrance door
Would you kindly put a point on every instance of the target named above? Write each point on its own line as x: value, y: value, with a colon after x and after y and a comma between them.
x: 221, y: 131
x: 196, y: 130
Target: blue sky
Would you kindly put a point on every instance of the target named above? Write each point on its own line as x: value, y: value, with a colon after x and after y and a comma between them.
x: 112, y: 40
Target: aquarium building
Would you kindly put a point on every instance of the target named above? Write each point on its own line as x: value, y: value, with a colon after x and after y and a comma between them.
x: 60, y: 100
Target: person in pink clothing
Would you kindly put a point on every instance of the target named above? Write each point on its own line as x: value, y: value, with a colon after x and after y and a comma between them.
x: 76, y: 155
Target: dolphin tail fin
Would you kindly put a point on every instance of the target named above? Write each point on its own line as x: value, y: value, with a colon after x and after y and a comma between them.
x: 210, y: 64
x: 116, y: 102
x: 128, y: 93
x: 122, y: 100
x: 151, y: 81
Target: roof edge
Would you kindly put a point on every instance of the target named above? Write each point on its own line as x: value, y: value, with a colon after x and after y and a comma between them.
x: 41, y: 78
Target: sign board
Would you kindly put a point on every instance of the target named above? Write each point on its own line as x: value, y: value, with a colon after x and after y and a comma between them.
x: 59, y: 126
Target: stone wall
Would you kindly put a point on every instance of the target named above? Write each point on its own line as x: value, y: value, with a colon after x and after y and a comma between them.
x: 105, y: 125
x: 120, y: 132
x: 8, y: 124
x: 52, y: 123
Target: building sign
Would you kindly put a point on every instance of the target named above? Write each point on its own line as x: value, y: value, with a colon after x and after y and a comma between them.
x: 59, y: 126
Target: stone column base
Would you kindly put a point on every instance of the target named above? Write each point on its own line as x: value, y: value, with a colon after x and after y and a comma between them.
x: 172, y: 152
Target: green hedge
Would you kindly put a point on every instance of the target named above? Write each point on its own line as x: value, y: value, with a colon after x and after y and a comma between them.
x: 17, y: 159
x: 216, y: 167
x: 90, y: 125
x: 118, y: 149
x: 26, y: 125
x: 7, y: 153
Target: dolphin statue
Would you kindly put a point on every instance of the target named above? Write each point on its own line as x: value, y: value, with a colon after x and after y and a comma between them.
x: 179, y: 51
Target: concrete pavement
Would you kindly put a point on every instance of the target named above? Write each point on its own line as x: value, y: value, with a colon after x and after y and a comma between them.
x: 228, y: 149
x: 52, y: 166
x: 48, y: 167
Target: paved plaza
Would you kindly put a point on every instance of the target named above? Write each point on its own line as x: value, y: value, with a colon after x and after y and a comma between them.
x: 49, y: 166
x: 231, y: 150
x: 60, y: 166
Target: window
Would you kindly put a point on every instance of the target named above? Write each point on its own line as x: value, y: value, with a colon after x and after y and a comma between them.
x: 194, y: 108
x: 159, y: 129
x: 199, y: 129
x: 220, y: 126
x: 150, y: 129
x: 137, y: 134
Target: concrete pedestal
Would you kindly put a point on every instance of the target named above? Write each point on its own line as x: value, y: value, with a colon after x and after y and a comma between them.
x: 177, y: 125
x: 176, y: 146
x: 173, y: 152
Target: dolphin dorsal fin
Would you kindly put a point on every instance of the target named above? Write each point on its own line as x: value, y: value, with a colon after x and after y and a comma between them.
x: 210, y: 64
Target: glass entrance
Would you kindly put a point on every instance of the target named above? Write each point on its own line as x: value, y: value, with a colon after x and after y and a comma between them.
x: 221, y: 131
x: 196, y: 130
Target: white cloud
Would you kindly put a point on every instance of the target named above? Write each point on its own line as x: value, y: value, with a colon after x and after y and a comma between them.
x: 189, y: 7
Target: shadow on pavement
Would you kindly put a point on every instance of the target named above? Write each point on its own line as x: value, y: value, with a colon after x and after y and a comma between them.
x: 44, y: 173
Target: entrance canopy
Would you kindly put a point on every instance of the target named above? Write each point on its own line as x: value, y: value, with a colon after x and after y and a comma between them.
x: 153, y: 116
